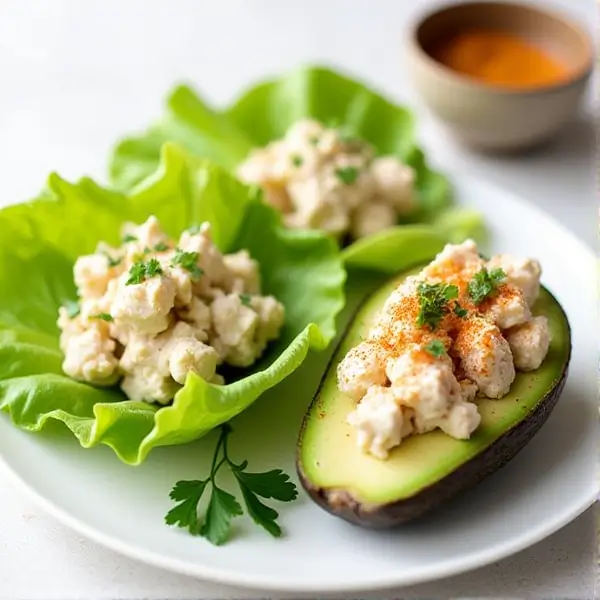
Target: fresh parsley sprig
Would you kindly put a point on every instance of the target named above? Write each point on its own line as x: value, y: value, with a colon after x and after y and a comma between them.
x: 140, y: 271
x: 188, y: 261
x: 433, y: 302
x: 222, y: 506
x: 484, y: 284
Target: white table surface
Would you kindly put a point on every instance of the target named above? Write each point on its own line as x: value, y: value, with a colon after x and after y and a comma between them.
x: 75, y: 74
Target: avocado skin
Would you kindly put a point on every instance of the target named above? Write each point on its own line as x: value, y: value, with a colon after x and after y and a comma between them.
x: 342, y: 504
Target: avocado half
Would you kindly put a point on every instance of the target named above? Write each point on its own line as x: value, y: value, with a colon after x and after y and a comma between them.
x: 426, y: 470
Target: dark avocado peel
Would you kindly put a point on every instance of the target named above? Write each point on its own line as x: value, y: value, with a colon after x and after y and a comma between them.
x: 426, y: 470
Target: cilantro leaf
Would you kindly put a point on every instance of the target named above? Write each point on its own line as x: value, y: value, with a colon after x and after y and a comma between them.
x: 103, y: 316
x: 261, y: 514
x: 433, y: 302
x: 140, y: 271
x: 347, y: 175
x: 128, y: 238
x: 484, y: 284
x: 246, y: 300
x: 222, y: 508
x: 297, y: 160
x: 435, y: 348
x: 72, y: 308
x: 272, y: 484
x: 188, y: 261
x: 185, y: 514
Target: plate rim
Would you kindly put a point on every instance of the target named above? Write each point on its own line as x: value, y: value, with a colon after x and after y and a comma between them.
x: 455, y: 566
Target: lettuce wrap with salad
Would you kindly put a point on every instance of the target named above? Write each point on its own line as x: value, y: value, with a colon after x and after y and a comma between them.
x: 329, y: 153
x: 41, y: 241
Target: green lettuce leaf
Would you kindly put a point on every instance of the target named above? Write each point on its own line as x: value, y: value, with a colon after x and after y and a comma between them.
x: 265, y: 111
x: 39, y: 243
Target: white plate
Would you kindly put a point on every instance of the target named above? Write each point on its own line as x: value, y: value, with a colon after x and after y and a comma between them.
x: 547, y: 485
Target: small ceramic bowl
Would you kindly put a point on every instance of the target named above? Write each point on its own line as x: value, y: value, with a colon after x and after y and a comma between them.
x: 496, y: 118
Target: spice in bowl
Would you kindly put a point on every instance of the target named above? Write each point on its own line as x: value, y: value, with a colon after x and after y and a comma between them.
x: 500, y: 59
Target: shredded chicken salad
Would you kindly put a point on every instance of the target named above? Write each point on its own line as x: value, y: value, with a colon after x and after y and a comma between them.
x: 318, y: 177
x: 153, y: 310
x: 458, y: 329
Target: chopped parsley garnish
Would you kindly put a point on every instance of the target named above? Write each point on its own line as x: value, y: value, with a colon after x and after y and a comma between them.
x: 103, y: 316
x: 435, y: 348
x: 246, y: 299
x: 347, y: 175
x: 223, y: 507
x: 72, y: 308
x: 113, y: 262
x: 161, y: 247
x: 459, y: 311
x: 297, y: 160
x: 433, y: 302
x: 147, y: 250
x: 129, y: 238
x: 188, y: 261
x: 484, y: 284
x: 140, y: 271
x: 314, y: 140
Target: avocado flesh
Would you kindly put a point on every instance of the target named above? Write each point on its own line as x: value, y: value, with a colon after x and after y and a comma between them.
x: 426, y: 469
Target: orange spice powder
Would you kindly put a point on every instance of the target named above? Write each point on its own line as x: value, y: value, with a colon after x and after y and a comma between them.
x: 500, y: 59
x: 464, y: 332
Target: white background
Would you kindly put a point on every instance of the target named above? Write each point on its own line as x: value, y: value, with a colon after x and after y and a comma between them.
x: 76, y: 74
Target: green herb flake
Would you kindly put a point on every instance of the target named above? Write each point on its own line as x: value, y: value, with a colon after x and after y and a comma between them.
x: 314, y: 140
x: 433, y: 302
x: 161, y: 247
x: 141, y: 271
x: 193, y: 230
x: 297, y: 160
x: 246, y: 299
x: 188, y: 261
x: 459, y: 311
x: 72, y: 308
x: 435, y: 348
x: 484, y: 284
x: 113, y: 261
x: 347, y: 175
x: 129, y: 238
x: 103, y: 316
x: 223, y: 507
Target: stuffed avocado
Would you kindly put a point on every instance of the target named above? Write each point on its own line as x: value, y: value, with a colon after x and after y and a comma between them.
x: 442, y: 405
